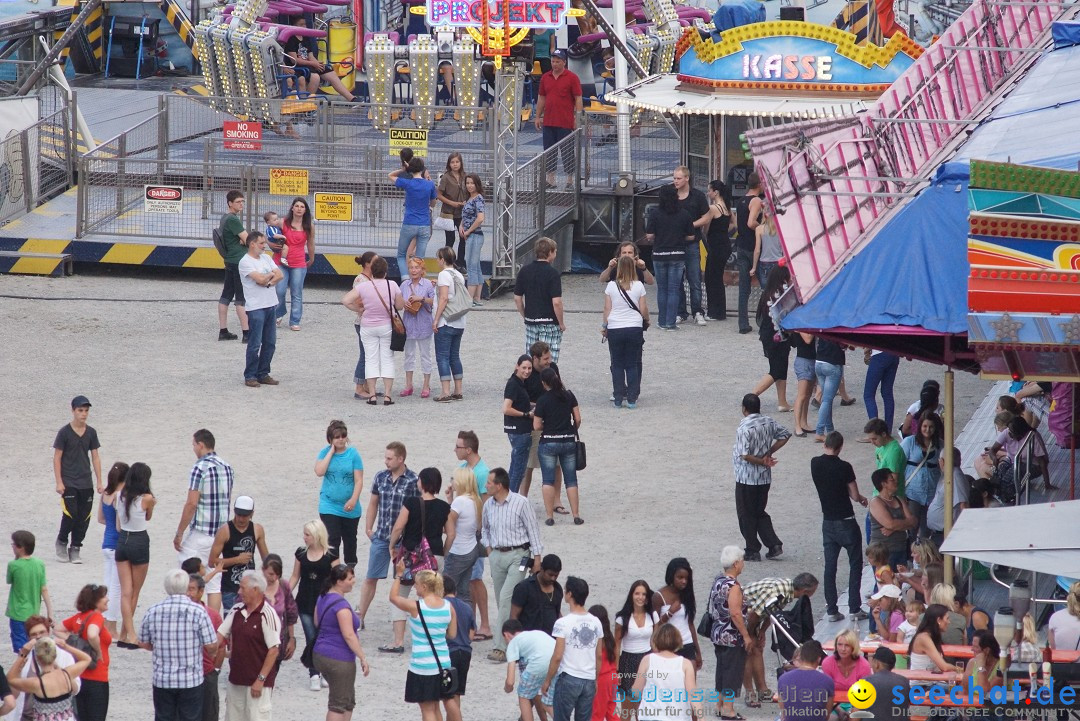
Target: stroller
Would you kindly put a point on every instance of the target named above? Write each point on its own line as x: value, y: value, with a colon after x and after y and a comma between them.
x: 790, y: 628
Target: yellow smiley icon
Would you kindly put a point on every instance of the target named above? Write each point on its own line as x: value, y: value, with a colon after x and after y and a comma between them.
x: 862, y: 694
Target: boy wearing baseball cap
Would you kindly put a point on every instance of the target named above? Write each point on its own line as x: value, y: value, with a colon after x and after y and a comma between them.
x: 74, y: 451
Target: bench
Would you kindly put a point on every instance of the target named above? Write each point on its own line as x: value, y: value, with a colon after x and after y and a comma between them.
x: 51, y: 264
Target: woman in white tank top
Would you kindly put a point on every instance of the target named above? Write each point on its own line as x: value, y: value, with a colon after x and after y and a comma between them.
x: 633, y: 632
x: 675, y: 604
x: 666, y: 686
x: 134, y: 507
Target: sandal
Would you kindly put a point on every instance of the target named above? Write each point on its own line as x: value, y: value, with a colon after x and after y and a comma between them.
x: 751, y: 701
x: 784, y: 409
x: 443, y: 399
x: 373, y: 401
x: 765, y: 694
x: 736, y: 717
x: 799, y: 434
x: 578, y: 520
x: 562, y: 511
x: 392, y: 649
x: 456, y: 397
x: 388, y: 401
x: 549, y: 522
x: 425, y: 393
x: 481, y: 637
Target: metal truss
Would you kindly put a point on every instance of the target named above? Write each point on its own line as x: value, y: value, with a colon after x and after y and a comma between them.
x: 509, y: 80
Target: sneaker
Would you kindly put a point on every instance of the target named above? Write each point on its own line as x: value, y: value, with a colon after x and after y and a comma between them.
x: 859, y: 615
x: 617, y: 404
x: 611, y: 397
x: 268, y: 381
x: 224, y: 334
x: 835, y: 617
x: 73, y: 555
x: 631, y: 405
x: 246, y: 334
x: 744, y: 331
x: 323, y: 682
x: 496, y: 656
x: 669, y: 327
x: 62, y: 552
x: 680, y: 319
x: 775, y: 553
x: 699, y: 318
x: 752, y: 557
x: 313, y: 683
x: 251, y: 383
x: 815, y: 403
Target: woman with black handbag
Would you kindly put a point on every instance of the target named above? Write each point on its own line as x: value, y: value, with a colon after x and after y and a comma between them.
x: 626, y: 317
x: 432, y: 620
x: 558, y: 418
x: 381, y: 329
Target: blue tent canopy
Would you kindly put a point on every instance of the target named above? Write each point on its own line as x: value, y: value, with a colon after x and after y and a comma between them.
x: 914, y: 272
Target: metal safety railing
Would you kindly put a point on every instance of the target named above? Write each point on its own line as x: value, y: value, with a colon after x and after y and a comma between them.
x: 35, y: 164
x: 656, y: 148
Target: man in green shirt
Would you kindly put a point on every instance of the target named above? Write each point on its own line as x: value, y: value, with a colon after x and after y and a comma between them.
x: 235, y: 238
x: 889, y: 455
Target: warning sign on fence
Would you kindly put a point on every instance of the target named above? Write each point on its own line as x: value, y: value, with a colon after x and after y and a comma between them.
x: 163, y: 199
x: 408, y: 138
x: 288, y: 181
x: 243, y: 135
x: 335, y: 207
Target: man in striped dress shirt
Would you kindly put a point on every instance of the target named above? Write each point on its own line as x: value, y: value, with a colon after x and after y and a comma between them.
x: 510, y: 533
x: 756, y: 440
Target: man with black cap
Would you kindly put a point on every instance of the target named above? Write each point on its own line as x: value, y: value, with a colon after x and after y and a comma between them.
x: 556, y: 113
x: 235, y: 543
x: 884, y: 680
x: 74, y: 450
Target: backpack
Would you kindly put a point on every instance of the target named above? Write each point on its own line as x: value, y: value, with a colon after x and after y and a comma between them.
x: 219, y: 242
x: 460, y: 303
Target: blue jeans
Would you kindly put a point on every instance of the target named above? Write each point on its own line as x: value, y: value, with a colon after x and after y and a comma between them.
x: 422, y: 233
x: 560, y: 453
x: 881, y: 371
x: 261, y: 343
x: 19, y: 637
x: 294, y: 280
x: 743, y: 261
x: 360, y: 374
x: 574, y: 695
x: 448, y: 352
x: 378, y: 558
x: 178, y: 704
x: 473, y: 245
x: 834, y: 536
x: 763, y: 270
x: 668, y: 288
x: 692, y: 266
x: 519, y: 457
x: 228, y: 599
x: 624, y: 345
x: 828, y: 377
x: 307, y: 621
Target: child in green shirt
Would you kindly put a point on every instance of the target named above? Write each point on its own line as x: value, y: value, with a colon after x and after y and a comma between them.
x: 26, y: 576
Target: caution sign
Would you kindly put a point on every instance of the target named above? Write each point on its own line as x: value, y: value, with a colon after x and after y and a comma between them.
x: 408, y: 138
x: 163, y: 199
x: 242, y: 135
x: 288, y: 181
x: 335, y: 207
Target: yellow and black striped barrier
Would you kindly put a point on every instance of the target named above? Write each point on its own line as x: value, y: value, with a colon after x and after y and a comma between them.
x: 178, y: 18
x: 860, y: 19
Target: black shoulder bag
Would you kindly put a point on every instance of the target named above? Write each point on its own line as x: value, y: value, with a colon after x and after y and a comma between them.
x: 632, y: 304
x: 448, y: 677
x: 307, y: 657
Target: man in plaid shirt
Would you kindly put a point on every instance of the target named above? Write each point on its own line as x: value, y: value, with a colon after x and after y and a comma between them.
x: 388, y: 493
x: 176, y: 631
x: 757, y: 439
x: 758, y: 596
x: 206, y: 509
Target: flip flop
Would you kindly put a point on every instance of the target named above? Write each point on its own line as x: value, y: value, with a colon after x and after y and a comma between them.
x: 127, y: 644
x: 392, y: 649
x: 562, y: 511
x: 848, y: 402
x: 481, y: 637
x: 784, y: 409
x: 736, y: 717
x: 799, y: 434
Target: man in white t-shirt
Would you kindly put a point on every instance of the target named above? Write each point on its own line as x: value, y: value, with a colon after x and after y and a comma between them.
x: 576, y: 659
x: 935, y: 512
x: 259, y: 274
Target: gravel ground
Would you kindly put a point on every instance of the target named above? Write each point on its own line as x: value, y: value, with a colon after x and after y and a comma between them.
x: 659, y: 482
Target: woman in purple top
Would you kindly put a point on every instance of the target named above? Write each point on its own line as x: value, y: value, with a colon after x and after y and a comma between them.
x: 337, y: 647
x: 280, y: 596
x: 419, y: 295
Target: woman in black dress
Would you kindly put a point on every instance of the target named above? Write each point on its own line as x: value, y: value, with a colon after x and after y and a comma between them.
x: 312, y: 567
x: 719, y: 247
x: 776, y: 349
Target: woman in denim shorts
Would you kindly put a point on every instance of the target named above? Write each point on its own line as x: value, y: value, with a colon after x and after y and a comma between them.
x: 805, y: 360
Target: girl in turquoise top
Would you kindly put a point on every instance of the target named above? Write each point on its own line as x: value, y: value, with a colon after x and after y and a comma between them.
x: 423, y: 685
x: 342, y: 471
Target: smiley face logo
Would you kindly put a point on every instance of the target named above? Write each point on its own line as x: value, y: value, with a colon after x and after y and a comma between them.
x: 862, y: 694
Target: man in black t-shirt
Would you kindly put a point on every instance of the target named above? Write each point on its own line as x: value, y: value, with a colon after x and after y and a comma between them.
x: 836, y: 488
x: 541, y: 359
x: 75, y: 449
x: 309, y: 71
x: 696, y: 205
x: 538, y: 295
x: 537, y: 601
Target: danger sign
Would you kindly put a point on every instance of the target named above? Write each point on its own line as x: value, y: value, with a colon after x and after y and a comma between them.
x: 409, y: 138
x: 243, y: 135
x: 288, y: 181
x: 163, y: 199
x: 335, y: 207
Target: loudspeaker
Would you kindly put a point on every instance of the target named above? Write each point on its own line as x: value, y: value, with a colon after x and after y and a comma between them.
x: 793, y: 13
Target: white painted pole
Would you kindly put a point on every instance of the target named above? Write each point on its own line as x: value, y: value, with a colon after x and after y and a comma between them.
x: 622, y: 110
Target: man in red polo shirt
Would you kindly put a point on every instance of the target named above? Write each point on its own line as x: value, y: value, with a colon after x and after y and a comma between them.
x: 556, y: 112
x: 254, y: 635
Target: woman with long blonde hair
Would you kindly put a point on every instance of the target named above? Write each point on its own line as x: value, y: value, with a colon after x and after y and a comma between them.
x: 626, y: 315
x: 429, y: 650
x: 314, y: 561
x: 1064, y: 629
x: 465, y: 513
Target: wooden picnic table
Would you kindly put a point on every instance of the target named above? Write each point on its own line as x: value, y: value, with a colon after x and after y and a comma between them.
x: 950, y: 651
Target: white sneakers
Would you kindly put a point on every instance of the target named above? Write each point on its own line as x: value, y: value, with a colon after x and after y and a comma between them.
x: 699, y: 318
x: 314, y: 683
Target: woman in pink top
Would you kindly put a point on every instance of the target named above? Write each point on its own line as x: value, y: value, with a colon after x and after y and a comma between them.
x: 378, y: 298
x: 846, y: 664
x: 299, y: 251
